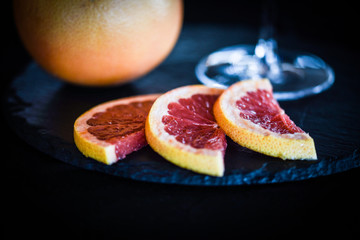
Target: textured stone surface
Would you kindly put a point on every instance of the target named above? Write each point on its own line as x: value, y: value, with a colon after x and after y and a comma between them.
x: 42, y: 110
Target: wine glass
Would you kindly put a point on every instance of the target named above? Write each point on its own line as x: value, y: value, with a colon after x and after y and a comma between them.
x: 293, y: 74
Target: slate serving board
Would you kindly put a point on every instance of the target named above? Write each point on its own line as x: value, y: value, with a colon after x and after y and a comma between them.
x: 42, y: 110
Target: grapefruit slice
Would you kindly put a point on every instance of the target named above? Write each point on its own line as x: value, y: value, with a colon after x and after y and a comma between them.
x: 181, y: 127
x: 110, y: 131
x: 249, y: 115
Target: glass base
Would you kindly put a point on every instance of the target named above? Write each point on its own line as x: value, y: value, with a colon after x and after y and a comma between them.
x: 293, y: 74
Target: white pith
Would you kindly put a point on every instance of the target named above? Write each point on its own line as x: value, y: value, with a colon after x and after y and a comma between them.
x: 232, y: 112
x: 160, y: 109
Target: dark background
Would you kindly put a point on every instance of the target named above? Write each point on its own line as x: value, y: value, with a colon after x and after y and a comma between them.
x: 317, y: 21
x: 333, y: 23
x: 58, y: 200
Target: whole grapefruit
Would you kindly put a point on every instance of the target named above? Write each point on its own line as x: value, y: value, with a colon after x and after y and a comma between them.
x: 99, y: 42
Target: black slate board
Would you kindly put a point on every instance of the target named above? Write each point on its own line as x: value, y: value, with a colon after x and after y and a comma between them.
x: 42, y: 109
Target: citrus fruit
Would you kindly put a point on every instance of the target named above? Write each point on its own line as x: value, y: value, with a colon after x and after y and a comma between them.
x: 110, y: 131
x: 181, y: 127
x: 98, y: 43
x: 249, y: 115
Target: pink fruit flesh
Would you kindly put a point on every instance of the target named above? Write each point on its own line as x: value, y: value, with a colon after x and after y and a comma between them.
x: 261, y: 108
x: 122, y: 125
x: 192, y: 121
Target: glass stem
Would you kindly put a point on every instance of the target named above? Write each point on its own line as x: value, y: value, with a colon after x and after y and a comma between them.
x: 266, y: 48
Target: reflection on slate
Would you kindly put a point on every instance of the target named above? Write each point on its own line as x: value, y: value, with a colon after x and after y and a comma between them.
x: 42, y: 111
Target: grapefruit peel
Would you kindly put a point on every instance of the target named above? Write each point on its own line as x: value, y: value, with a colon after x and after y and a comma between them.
x: 293, y: 146
x: 101, y: 150
x: 200, y: 160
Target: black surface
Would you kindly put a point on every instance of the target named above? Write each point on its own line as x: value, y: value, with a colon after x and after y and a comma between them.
x: 42, y: 110
x: 46, y: 198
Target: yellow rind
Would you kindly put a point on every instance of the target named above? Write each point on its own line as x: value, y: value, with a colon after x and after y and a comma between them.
x: 268, y: 144
x: 204, y: 161
x: 89, y: 149
x: 87, y: 144
x: 210, y: 165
